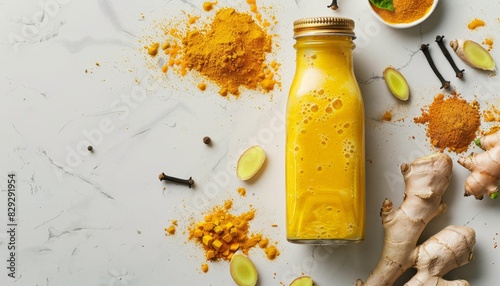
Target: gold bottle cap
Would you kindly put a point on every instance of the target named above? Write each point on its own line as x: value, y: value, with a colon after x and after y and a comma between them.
x: 323, y: 26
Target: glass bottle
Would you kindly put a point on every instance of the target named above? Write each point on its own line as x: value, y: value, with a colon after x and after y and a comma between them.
x: 325, y: 144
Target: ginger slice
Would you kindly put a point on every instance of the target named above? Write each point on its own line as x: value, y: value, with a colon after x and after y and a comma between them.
x: 302, y: 281
x: 473, y: 54
x: 250, y: 162
x: 396, y: 83
x: 243, y: 270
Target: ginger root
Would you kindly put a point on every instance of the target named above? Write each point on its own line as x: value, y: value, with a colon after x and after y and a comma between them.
x: 484, y: 167
x: 426, y: 180
x: 473, y: 54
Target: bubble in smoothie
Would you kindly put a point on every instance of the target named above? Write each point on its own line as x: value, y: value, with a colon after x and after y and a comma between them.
x: 350, y: 228
x: 328, y: 109
x: 314, y: 108
x: 337, y: 104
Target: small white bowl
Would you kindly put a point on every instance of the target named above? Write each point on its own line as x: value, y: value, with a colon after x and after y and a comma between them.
x: 403, y: 25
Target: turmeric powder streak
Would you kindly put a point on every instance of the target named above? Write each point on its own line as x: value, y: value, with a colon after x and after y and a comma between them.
x: 222, y: 234
x: 452, y: 123
x: 405, y: 11
x: 476, y: 23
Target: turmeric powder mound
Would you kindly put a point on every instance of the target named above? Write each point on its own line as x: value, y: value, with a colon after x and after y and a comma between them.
x: 221, y: 233
x: 231, y: 52
x: 452, y: 123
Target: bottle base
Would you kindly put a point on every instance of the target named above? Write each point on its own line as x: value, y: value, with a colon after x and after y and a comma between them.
x: 333, y: 242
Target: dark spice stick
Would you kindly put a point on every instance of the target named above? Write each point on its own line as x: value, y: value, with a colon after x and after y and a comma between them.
x: 334, y: 5
x: 425, y: 49
x: 458, y: 72
x: 189, y: 182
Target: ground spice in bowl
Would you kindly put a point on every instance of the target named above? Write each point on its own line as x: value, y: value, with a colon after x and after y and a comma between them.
x: 452, y: 122
x: 405, y: 12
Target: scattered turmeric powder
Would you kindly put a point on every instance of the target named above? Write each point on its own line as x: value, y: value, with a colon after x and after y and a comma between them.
x: 242, y: 191
x: 204, y: 267
x: 153, y: 49
x: 452, y: 123
x: 263, y: 243
x: 228, y: 204
x: 476, y: 23
x: 208, y: 6
x: 405, y: 11
x: 202, y: 86
x: 170, y: 230
x: 230, y: 51
x: 488, y: 42
x: 492, y: 130
x: 221, y: 233
x: 491, y: 116
x: 387, y: 116
x: 193, y: 19
x: 272, y: 252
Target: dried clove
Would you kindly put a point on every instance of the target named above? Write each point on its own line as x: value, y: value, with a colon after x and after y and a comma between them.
x: 189, y: 182
x: 458, y: 72
x: 334, y: 5
x: 425, y: 49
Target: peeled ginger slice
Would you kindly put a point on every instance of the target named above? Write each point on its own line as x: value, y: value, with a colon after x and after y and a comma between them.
x: 473, y: 54
x: 396, y: 83
x: 250, y: 162
x: 302, y: 281
x: 242, y: 270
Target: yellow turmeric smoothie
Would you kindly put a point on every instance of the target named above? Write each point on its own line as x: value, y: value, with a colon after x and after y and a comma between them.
x: 325, y: 171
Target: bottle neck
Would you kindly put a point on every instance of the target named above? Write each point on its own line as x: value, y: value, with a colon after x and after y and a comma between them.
x: 325, y: 52
x: 324, y: 42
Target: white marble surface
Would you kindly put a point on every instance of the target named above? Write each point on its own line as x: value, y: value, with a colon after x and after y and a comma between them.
x: 99, y: 219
